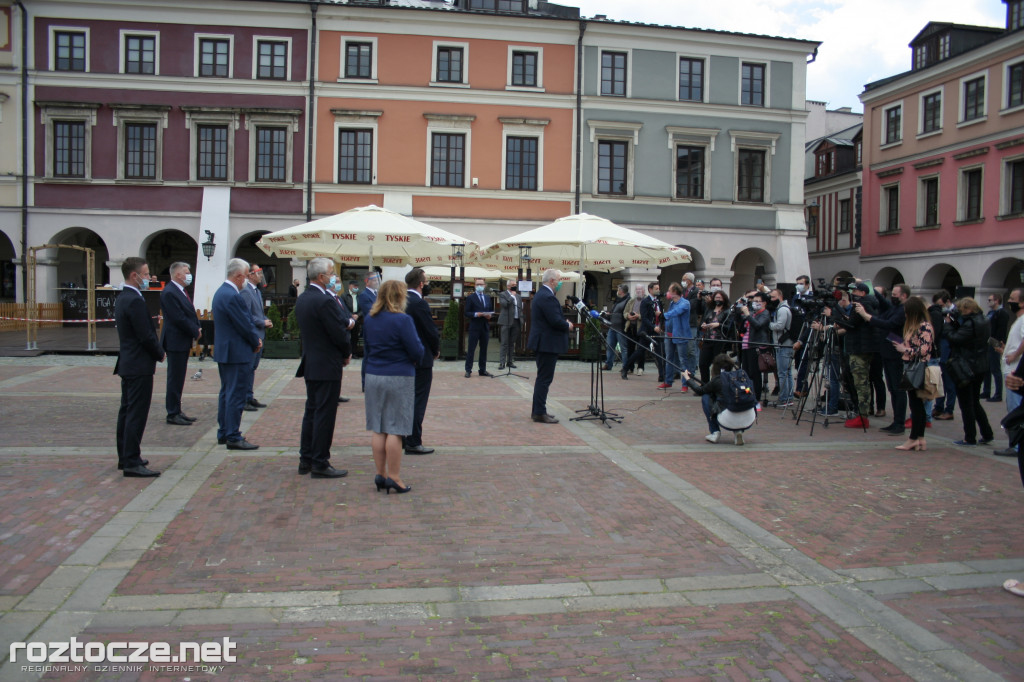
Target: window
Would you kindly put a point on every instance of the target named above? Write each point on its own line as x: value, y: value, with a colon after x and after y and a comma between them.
x: 934, y: 49
x: 140, y: 151
x: 928, y: 202
x: 931, y: 112
x: 858, y: 150
x: 969, y: 199
x: 974, y: 98
x: 449, y: 65
x: 1014, y: 14
x: 826, y: 162
x: 69, y: 51
x: 214, y: 57
x: 691, y: 79
x: 521, y: 161
x: 272, y: 59
x: 944, y: 46
x: 893, y: 124
x: 611, y: 167
x: 1014, y: 183
x: 811, y: 219
x: 524, y: 69
x: 358, y: 60
x: 212, y: 159
x: 499, y: 5
x: 689, y: 172
x: 890, y: 209
x: 613, y: 73
x: 448, y: 160
x: 844, y: 216
x: 271, y: 154
x: 355, y: 157
x: 752, y: 85
x: 1015, y: 85
x: 140, y: 54
x: 69, y: 149
x: 750, y: 175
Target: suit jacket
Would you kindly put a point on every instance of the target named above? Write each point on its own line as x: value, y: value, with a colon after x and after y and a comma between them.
x: 473, y: 306
x: 999, y: 321
x: 254, y: 299
x: 649, y: 313
x: 181, y: 326
x: 325, y: 339
x: 365, y: 301
x: 508, y: 303
x: 419, y: 311
x: 136, y: 333
x: 548, y: 326
x: 236, y: 337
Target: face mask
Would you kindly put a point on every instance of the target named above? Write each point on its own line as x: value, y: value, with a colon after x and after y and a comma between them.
x: 143, y: 284
x: 773, y: 304
x: 1013, y: 307
x: 558, y: 286
x: 716, y: 288
x: 895, y: 300
x: 755, y: 306
x: 353, y: 290
x: 800, y: 288
x: 479, y: 288
x: 337, y: 286
x: 719, y: 301
x: 333, y: 280
x: 427, y: 288
x: 188, y: 279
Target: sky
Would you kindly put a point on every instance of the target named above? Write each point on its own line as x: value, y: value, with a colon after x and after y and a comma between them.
x: 861, y: 40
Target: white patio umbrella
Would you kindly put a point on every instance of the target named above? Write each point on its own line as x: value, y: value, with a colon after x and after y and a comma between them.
x: 436, y: 273
x: 366, y: 236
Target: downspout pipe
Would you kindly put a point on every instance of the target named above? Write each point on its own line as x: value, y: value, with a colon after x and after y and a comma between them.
x: 310, y: 111
x: 24, y: 150
x: 579, y: 112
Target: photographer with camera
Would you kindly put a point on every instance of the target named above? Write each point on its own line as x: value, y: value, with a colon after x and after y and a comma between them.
x: 756, y: 337
x: 781, y: 326
x: 616, y: 326
x: 715, y: 329
x: 861, y: 346
x: 891, y: 321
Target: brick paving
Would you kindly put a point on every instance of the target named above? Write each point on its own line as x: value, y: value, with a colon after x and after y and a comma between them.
x: 568, y: 551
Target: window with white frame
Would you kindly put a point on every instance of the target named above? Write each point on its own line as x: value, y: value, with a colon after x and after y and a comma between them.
x: 845, y: 216
x: 1014, y: 14
x: 213, y: 56
x: 68, y: 139
x: 451, y: 64
x: 140, y: 134
x: 889, y: 220
x: 969, y: 199
x: 355, y: 146
x: 892, y: 123
x: 211, y: 143
x: 614, y: 73
x: 928, y: 201
x: 525, y: 68
x: 271, y: 140
x: 931, y: 112
x: 449, y: 138
x: 691, y: 79
x: 1013, y: 84
x: 523, y: 153
x: 614, y: 159
x: 359, y: 59
x: 69, y: 49
x: 752, y: 152
x: 140, y: 52
x: 972, y: 93
x: 691, y: 161
x: 753, y: 84
x: 272, y: 59
x: 1013, y: 186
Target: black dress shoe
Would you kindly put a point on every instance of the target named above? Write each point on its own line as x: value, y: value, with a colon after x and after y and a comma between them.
x: 256, y: 403
x: 145, y: 462
x: 178, y: 420
x: 891, y: 428
x: 222, y: 441
x: 624, y: 375
x: 469, y: 374
x: 186, y: 417
x: 544, y: 418
x: 139, y: 472
x: 328, y: 472
x: 1006, y: 452
x: 248, y: 408
x: 304, y: 468
x: 512, y: 365
x: 484, y: 373
x: 501, y: 367
x: 241, y: 444
x: 418, y: 450
x: 343, y: 400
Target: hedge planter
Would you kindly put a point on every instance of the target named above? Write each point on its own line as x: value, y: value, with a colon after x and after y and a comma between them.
x: 282, y: 349
x: 449, y: 349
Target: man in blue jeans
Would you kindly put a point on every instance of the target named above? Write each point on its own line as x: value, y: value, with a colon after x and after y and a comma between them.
x: 677, y: 329
x: 782, y: 320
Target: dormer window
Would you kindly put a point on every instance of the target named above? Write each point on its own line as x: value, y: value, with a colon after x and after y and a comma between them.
x: 1014, y: 15
x: 518, y: 6
x: 934, y: 49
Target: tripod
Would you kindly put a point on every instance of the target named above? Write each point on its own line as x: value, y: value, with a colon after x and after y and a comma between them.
x: 509, y: 373
x: 822, y: 346
x: 595, y: 411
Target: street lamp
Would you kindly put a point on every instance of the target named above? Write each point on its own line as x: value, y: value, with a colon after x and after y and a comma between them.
x: 208, y: 246
x: 525, y: 260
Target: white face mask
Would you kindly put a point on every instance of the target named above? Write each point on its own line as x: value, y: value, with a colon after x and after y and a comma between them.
x: 800, y: 288
x: 755, y: 306
x: 479, y: 288
x: 188, y: 279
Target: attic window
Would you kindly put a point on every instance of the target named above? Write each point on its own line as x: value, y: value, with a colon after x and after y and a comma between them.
x: 518, y: 6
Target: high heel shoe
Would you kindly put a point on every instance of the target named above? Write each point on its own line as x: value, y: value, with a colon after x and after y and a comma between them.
x: 390, y: 485
x: 922, y: 444
x: 913, y: 445
x: 380, y: 482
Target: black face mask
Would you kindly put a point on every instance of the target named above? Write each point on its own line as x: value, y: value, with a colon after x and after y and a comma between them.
x: 427, y: 288
x: 772, y: 304
x: 1013, y: 307
x: 895, y: 300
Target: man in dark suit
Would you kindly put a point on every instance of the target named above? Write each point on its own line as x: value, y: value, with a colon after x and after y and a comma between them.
x: 235, y: 344
x: 510, y: 321
x: 479, y: 309
x: 650, y: 326
x: 890, y: 321
x: 999, y: 324
x: 136, y: 365
x: 419, y: 310
x: 326, y: 349
x: 548, y: 339
x: 350, y: 319
x: 260, y: 323
x: 365, y: 300
x: 181, y: 330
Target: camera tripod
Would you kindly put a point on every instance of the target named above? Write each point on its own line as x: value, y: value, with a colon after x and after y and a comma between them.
x: 822, y: 350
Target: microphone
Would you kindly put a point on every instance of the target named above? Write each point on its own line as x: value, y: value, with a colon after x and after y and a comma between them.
x: 582, y: 308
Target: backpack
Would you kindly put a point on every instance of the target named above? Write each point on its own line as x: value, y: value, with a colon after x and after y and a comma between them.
x: 737, y: 391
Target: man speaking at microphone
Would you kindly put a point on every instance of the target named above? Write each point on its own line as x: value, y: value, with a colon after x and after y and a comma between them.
x: 549, y: 337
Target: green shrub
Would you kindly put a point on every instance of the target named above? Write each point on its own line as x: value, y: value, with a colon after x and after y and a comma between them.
x: 450, y: 330
x: 274, y: 315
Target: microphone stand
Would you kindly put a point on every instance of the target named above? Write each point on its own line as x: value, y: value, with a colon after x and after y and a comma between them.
x: 595, y: 411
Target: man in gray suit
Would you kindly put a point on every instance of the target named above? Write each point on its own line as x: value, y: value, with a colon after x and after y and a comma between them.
x: 260, y: 322
x: 510, y: 320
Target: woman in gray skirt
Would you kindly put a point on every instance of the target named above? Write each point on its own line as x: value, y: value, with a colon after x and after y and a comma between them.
x: 391, y: 350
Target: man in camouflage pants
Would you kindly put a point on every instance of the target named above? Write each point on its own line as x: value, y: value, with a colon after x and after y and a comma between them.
x: 861, y: 346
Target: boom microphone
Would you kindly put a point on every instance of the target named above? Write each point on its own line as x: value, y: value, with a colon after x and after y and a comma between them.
x: 582, y: 307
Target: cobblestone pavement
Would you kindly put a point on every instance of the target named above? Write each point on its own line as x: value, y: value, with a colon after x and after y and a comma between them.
x: 568, y: 552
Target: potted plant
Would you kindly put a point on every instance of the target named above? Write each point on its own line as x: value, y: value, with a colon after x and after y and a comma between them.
x: 279, y: 342
x: 450, y: 332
